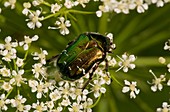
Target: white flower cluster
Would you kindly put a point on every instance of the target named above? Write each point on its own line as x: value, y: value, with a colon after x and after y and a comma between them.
x: 124, y: 6
x: 65, y: 8
x: 62, y: 23
x: 43, y: 94
x: 12, y: 76
x: 159, y: 82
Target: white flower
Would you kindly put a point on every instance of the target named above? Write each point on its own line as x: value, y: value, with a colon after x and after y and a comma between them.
x: 17, y: 77
x: 34, y: 17
x: 5, y: 72
x: 122, y: 7
x: 166, y: 1
x: 39, y: 106
x: 62, y: 25
x: 55, y: 7
x: 160, y: 3
x: 50, y: 84
x: 39, y: 87
x: 87, y: 104
x: 110, y: 36
x: 108, y: 5
x: 76, y: 107
x: 8, y: 44
x: 38, y: 70
x: 41, y: 56
x: 8, y: 50
x: 65, y: 102
x: 28, y: 41
x: 141, y: 7
x: 131, y: 87
x: 19, y: 62
x: 167, y: 45
x: 65, y: 89
x: 165, y: 108
x: 97, y: 88
x: 6, y: 86
x: 77, y: 94
x: 8, y: 55
x: 111, y: 61
x: 50, y: 105
x: 168, y: 65
x: 37, y: 2
x: 59, y: 109
x: 162, y: 60
x: 0, y: 13
x: 81, y: 2
x: 99, y: 13
x: 168, y: 83
x: 68, y: 4
x: 156, y: 82
x: 126, y: 62
x: 3, y: 102
x: 10, y: 3
x: 55, y: 95
x: 113, y: 46
x: 26, y: 10
x: 18, y: 102
x: 104, y: 76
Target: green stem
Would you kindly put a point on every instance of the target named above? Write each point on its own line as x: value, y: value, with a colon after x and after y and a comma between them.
x: 26, y: 71
x: 72, y: 17
x: 18, y: 92
x: 51, y: 15
x: 96, y: 101
x: 113, y: 78
x: 26, y: 54
x: 8, y: 93
x: 1, y: 81
x: 10, y: 66
x: 64, y: 11
x: 80, y: 12
x: 15, y: 67
x: 149, y: 61
x: 46, y: 3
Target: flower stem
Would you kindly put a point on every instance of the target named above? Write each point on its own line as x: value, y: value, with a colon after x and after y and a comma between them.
x: 113, y: 78
x: 149, y: 61
x: 8, y: 93
x: 46, y: 3
x: 80, y: 12
x: 96, y: 101
x: 65, y: 12
x: 51, y: 15
x: 15, y: 66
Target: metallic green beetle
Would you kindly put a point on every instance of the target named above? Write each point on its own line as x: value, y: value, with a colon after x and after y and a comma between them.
x: 82, y: 56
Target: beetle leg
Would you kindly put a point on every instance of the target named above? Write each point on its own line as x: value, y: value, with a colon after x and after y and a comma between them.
x: 107, y: 65
x: 70, y: 43
x: 107, y: 68
x: 90, y: 76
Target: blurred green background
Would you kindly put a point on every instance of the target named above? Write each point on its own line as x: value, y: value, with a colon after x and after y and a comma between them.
x: 143, y: 35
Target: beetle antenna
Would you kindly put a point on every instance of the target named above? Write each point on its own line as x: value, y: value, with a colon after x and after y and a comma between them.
x: 91, y: 75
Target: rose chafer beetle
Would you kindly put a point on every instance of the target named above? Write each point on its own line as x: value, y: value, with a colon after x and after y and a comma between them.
x: 82, y: 56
